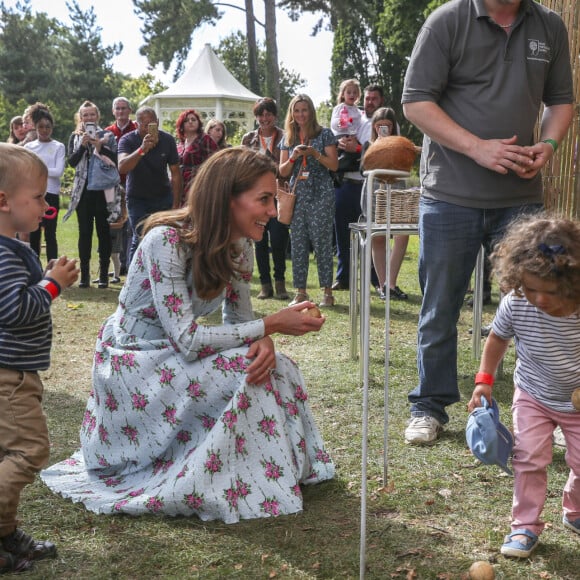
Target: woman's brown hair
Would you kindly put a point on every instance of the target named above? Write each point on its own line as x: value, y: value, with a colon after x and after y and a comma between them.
x: 204, y: 223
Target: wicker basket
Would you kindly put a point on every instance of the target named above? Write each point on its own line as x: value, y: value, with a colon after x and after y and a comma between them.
x: 404, y: 206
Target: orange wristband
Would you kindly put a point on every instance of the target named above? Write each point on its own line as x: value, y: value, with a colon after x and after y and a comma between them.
x: 484, y: 378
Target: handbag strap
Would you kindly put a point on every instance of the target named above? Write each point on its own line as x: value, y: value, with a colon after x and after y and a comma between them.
x: 293, y: 190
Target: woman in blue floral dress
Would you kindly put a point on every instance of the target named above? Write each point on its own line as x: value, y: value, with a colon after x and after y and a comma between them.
x: 307, y: 153
x: 188, y: 418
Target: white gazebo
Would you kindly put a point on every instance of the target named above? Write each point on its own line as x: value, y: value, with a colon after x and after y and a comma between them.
x: 209, y: 88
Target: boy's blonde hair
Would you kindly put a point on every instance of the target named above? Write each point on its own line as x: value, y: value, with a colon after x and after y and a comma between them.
x: 343, y: 86
x: 16, y: 164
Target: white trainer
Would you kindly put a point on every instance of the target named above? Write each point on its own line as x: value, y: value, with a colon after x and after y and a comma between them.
x: 422, y: 431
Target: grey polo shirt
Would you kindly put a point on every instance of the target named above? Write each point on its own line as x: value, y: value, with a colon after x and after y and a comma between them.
x: 491, y: 84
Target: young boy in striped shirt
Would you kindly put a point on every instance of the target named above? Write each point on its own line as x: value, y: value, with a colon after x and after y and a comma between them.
x: 25, y: 341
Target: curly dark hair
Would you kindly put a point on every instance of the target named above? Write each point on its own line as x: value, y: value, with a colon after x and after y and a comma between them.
x: 543, y: 245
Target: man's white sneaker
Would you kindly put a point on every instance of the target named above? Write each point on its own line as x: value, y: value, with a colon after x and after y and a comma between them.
x: 422, y: 431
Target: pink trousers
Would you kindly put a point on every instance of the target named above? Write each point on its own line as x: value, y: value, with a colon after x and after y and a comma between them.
x: 534, y: 424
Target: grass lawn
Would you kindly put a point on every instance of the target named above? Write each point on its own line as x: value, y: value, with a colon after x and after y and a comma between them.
x: 438, y: 512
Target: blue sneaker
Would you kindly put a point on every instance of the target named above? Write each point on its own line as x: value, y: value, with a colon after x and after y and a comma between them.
x: 517, y: 548
x: 574, y: 526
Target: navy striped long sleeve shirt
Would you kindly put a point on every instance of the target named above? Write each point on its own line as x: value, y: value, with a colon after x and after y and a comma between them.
x: 25, y: 320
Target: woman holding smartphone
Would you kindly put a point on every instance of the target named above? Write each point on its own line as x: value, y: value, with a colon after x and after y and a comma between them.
x: 90, y: 206
x: 384, y: 123
x: 307, y: 153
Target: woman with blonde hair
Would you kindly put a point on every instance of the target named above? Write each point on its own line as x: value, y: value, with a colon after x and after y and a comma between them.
x: 217, y: 131
x: 188, y: 418
x: 308, y: 152
x: 90, y: 206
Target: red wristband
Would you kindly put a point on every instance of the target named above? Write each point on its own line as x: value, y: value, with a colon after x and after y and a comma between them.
x: 51, y: 287
x: 484, y: 378
x: 291, y: 160
x: 140, y: 151
x: 358, y: 148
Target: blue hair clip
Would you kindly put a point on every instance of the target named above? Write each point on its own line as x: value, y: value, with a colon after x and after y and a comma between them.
x: 551, y: 251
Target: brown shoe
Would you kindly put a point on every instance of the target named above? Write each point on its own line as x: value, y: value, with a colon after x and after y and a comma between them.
x: 281, y: 291
x: 265, y: 292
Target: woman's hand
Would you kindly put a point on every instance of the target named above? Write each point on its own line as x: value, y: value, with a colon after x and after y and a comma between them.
x: 86, y: 139
x: 264, y: 355
x: 293, y: 321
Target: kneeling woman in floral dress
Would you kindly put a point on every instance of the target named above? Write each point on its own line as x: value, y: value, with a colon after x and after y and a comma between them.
x: 188, y: 418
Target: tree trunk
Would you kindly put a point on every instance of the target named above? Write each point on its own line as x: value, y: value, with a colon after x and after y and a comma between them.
x: 252, y: 48
x: 272, y: 69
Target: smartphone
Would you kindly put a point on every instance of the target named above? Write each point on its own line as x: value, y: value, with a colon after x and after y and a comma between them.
x: 384, y: 131
x: 91, y: 129
x: 153, y: 130
x: 302, y: 147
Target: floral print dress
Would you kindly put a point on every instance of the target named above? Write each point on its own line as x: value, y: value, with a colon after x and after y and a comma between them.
x: 171, y: 426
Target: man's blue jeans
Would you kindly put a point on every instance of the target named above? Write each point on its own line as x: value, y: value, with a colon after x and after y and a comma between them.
x: 450, y: 238
x: 346, y: 210
x: 140, y: 209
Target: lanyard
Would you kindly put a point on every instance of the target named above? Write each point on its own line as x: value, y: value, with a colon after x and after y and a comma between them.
x: 265, y: 145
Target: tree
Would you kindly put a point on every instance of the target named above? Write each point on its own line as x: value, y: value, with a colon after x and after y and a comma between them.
x: 170, y: 25
x: 67, y: 66
x: 254, y: 84
x: 89, y: 69
x: 22, y: 75
x: 232, y: 51
x: 272, y: 67
x: 373, y: 41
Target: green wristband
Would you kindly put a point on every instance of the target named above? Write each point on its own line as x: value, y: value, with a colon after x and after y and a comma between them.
x: 552, y: 142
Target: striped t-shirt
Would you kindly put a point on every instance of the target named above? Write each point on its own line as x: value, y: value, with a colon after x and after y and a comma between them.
x: 547, y: 348
x: 25, y: 321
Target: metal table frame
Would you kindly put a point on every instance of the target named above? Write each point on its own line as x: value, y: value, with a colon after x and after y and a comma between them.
x: 361, y: 237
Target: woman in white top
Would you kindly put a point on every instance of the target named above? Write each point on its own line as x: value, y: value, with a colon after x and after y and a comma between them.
x: 53, y: 155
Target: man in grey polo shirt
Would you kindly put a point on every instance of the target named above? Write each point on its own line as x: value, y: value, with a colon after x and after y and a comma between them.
x: 478, y: 74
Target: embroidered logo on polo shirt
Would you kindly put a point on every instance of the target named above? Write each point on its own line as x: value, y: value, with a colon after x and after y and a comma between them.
x: 538, y: 50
